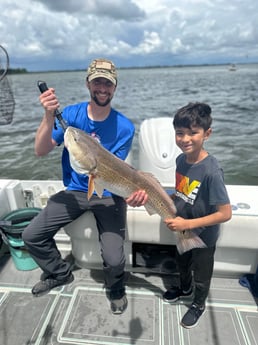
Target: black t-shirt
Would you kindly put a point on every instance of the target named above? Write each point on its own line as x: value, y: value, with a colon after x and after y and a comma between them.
x: 200, y: 189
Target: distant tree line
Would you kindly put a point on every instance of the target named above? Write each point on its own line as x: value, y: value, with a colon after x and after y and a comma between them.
x: 17, y: 71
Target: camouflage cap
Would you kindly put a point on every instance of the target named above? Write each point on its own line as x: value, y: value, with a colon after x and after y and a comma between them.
x: 102, y: 68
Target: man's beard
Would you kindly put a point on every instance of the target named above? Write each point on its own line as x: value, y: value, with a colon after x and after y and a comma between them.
x: 94, y: 97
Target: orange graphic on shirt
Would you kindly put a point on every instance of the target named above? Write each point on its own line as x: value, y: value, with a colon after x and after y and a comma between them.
x: 184, y: 186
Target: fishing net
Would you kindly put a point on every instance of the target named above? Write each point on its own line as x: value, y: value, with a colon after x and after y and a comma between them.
x: 7, y: 102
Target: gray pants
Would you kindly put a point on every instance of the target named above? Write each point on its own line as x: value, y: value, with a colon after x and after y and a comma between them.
x: 64, y: 207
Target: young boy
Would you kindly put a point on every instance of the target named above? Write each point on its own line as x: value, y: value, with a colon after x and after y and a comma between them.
x: 202, y: 204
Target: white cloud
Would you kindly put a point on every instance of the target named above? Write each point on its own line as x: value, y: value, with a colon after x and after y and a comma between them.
x: 151, y: 43
x: 47, y: 34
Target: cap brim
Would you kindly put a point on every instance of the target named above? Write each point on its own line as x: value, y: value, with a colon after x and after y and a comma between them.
x: 102, y: 75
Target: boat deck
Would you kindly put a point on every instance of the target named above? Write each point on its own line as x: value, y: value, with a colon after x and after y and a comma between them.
x: 79, y: 313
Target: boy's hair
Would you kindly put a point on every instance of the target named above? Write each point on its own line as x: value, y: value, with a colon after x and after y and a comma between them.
x: 193, y: 114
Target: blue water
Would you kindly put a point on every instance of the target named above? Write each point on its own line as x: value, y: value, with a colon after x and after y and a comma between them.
x: 141, y: 94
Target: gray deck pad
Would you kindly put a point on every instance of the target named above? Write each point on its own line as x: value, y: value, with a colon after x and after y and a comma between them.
x: 80, y: 313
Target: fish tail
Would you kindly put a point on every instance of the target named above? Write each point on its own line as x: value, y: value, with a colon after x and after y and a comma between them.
x: 188, y: 242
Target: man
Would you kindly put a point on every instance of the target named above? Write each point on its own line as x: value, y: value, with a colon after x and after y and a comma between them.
x: 115, y: 132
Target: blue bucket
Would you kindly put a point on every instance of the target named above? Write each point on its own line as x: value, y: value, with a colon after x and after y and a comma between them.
x: 11, y: 228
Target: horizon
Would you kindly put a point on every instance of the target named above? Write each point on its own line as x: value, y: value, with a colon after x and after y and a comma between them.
x: 24, y: 70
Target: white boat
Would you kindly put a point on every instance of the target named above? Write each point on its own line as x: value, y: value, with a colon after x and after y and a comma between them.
x: 78, y: 313
x: 232, y: 68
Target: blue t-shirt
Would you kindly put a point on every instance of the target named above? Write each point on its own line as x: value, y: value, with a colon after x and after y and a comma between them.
x: 200, y: 189
x: 115, y: 133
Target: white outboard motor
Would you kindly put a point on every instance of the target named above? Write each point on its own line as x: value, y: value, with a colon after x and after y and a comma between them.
x: 157, y: 149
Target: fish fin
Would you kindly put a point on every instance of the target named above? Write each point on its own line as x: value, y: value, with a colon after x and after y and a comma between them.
x: 187, y: 241
x: 99, y: 189
x: 91, y: 186
x: 150, y: 209
x: 149, y: 175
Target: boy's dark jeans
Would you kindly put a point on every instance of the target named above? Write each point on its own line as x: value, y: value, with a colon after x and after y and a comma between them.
x: 200, y: 261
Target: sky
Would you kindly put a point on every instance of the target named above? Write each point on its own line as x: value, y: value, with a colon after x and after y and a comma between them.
x: 45, y: 35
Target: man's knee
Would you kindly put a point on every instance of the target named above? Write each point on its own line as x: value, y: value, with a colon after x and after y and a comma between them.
x: 26, y: 235
x: 29, y: 235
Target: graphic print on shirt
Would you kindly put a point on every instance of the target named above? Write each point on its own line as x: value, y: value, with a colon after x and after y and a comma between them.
x: 185, y: 189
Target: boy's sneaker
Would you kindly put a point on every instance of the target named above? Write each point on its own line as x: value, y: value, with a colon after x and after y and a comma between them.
x: 175, y: 293
x: 44, y: 286
x: 118, y: 306
x: 118, y: 300
x: 192, y: 316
